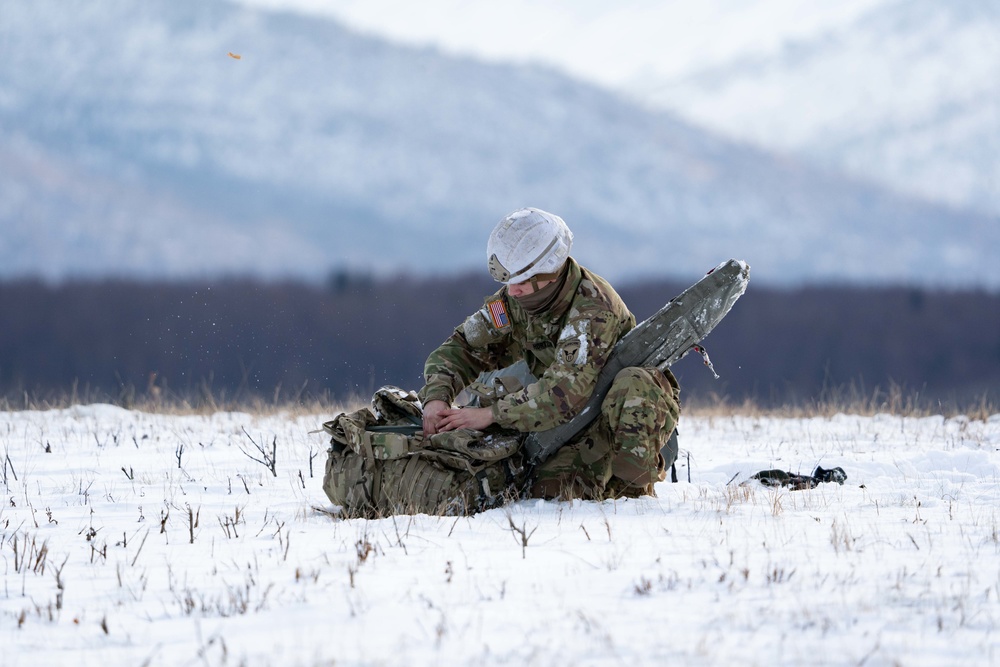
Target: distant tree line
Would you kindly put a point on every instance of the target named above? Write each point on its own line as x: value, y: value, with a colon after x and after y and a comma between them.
x: 243, y: 339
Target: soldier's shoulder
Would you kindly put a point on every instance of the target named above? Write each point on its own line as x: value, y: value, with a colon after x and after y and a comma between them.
x: 596, y: 292
x: 500, y: 294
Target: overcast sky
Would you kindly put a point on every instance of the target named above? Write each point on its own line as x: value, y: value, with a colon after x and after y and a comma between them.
x: 614, y: 44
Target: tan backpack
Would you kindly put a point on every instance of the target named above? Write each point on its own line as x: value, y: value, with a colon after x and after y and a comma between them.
x: 380, y: 462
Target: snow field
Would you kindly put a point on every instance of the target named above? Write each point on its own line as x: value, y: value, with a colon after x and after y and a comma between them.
x: 136, y: 538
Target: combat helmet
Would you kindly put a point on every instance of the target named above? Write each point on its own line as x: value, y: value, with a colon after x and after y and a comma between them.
x: 528, y: 244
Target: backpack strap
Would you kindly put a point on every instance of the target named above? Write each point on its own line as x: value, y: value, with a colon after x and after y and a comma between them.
x: 410, y: 478
x: 366, y: 449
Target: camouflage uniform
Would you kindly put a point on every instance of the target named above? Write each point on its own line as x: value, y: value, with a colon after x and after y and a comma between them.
x: 565, y: 347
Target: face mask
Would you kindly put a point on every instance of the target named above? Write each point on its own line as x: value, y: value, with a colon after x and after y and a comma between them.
x: 541, y: 300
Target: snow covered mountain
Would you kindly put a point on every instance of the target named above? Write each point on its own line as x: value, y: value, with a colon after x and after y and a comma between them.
x: 908, y: 95
x: 169, y: 139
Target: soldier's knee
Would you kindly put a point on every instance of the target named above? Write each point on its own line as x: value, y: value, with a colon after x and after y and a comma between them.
x: 630, y: 378
x: 642, y: 383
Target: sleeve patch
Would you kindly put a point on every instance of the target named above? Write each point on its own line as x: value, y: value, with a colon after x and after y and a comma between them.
x: 574, y: 344
x: 498, y: 313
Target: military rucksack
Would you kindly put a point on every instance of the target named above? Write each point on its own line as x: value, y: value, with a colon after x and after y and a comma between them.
x: 380, y: 462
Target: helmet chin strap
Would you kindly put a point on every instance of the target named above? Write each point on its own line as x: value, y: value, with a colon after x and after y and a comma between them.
x: 545, y: 277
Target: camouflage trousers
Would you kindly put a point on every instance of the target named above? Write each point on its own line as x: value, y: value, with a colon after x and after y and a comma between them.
x: 619, y: 453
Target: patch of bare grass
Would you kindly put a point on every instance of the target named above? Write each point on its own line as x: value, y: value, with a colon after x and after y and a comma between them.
x: 852, y: 400
x: 200, y: 402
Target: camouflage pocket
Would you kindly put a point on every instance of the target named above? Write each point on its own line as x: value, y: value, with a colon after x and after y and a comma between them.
x: 594, y: 446
x: 345, y: 482
x: 385, y: 446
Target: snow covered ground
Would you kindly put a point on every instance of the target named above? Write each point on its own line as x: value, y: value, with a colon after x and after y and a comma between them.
x: 148, y: 539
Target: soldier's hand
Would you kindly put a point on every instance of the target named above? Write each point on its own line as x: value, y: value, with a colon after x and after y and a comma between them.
x: 433, y: 416
x: 473, y: 418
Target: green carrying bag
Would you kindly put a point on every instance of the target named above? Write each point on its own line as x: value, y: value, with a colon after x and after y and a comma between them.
x: 380, y: 463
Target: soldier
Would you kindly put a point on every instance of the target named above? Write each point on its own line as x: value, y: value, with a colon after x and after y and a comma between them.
x: 562, y: 320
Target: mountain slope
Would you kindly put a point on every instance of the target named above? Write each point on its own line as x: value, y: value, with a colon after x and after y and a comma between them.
x: 321, y: 148
x: 908, y: 95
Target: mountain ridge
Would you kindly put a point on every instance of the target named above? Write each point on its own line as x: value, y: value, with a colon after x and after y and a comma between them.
x: 907, y: 95
x: 321, y: 149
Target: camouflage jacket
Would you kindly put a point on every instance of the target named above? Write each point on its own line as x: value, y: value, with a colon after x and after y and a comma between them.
x: 565, y: 347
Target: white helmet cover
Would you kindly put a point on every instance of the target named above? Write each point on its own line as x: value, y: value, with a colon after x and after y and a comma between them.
x: 526, y: 243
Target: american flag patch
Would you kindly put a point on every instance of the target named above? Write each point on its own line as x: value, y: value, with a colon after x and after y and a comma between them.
x: 498, y: 311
